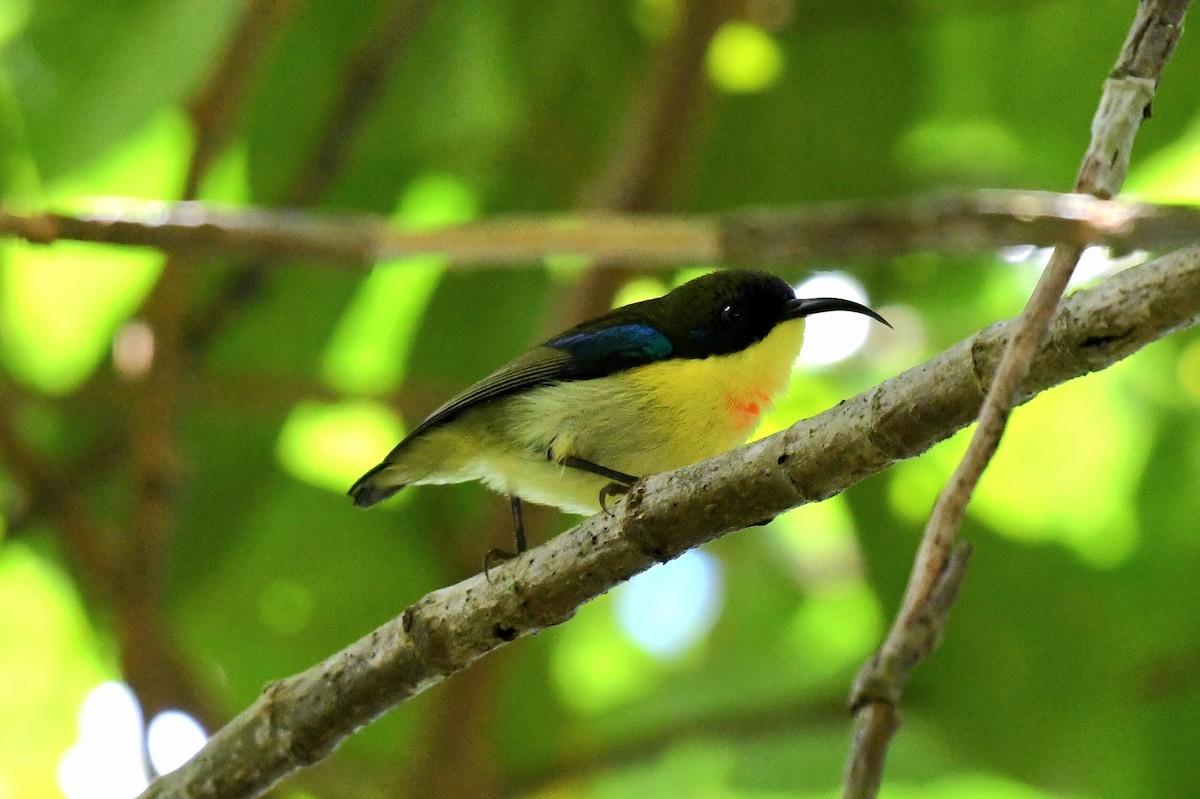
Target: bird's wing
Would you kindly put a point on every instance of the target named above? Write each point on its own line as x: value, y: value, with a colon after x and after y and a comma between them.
x: 578, y: 354
x: 536, y: 367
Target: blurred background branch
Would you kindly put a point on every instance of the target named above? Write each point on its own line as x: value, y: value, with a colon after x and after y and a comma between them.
x: 963, y: 222
x: 966, y: 222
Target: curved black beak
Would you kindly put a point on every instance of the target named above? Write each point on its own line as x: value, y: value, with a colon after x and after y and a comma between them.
x: 801, y: 307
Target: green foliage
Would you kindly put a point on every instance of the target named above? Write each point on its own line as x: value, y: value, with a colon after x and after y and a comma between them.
x: 1070, y: 664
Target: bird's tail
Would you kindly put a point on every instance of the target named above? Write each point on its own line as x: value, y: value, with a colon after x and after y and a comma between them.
x: 373, y: 487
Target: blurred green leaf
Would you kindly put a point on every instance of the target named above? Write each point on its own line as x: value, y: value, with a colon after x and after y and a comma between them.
x: 49, y: 659
x: 89, y: 74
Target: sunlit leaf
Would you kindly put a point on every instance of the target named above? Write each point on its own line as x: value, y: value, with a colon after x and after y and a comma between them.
x: 49, y: 658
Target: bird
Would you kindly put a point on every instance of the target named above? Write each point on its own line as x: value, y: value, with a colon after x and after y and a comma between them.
x: 645, y: 388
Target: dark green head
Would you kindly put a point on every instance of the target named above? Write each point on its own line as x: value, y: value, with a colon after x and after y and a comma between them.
x: 717, y: 314
x: 728, y: 311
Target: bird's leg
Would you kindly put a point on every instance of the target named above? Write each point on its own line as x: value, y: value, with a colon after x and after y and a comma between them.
x: 518, y: 523
x: 582, y: 465
x: 497, y: 556
x: 621, y: 482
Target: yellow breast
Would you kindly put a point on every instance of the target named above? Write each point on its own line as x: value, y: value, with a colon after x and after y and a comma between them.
x: 715, y: 403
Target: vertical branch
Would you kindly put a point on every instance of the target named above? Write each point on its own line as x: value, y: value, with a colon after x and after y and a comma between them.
x: 154, y: 405
x: 938, y: 568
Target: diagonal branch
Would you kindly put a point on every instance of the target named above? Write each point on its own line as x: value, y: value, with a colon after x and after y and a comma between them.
x: 937, y: 569
x: 975, y: 221
x: 301, y: 719
x: 361, y: 86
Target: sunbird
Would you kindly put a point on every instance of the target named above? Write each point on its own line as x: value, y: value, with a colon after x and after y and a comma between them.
x: 645, y: 388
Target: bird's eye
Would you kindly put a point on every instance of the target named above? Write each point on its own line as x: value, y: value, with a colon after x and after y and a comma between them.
x: 733, y: 315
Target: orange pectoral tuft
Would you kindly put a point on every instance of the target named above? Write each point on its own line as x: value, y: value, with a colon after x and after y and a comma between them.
x: 746, y: 409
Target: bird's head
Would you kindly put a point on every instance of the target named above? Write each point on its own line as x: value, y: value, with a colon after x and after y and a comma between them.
x: 728, y: 311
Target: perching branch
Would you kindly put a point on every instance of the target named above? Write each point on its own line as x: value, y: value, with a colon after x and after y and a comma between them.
x: 939, y: 563
x: 977, y: 221
x: 301, y: 719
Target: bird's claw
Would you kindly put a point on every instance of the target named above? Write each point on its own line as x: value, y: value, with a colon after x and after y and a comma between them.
x: 613, y: 489
x: 494, y: 557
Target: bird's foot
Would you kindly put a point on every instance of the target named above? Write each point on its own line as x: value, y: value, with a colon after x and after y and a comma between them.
x: 613, y: 489
x: 494, y: 557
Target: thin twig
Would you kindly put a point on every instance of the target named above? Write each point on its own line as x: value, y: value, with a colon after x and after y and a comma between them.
x: 301, y: 719
x: 1125, y: 103
x: 890, y: 672
x: 978, y: 221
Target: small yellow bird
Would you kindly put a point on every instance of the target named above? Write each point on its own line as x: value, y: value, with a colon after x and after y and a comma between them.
x: 645, y: 388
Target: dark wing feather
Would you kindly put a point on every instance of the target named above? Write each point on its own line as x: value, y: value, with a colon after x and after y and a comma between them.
x: 581, y: 353
x: 537, y: 367
x: 599, y: 351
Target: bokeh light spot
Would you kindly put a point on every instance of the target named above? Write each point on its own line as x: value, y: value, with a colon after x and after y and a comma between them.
x: 133, y: 348
x: 331, y: 445
x: 646, y: 288
x: 49, y: 662
x: 743, y: 58
x: 834, y: 336
x: 368, y: 353
x: 172, y: 738
x: 673, y: 605
x: 59, y: 306
x: 13, y: 14
x: 106, y: 761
